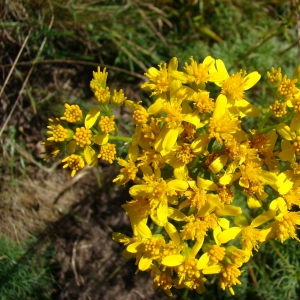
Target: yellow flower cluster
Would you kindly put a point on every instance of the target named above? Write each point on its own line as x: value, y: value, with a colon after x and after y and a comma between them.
x: 82, y: 135
x: 189, y: 156
x: 194, y: 166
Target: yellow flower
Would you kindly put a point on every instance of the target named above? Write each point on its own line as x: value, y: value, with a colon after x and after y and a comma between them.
x: 148, y: 249
x: 58, y: 132
x: 286, y: 222
x: 289, y: 134
x: 234, y: 87
x: 108, y: 152
x: 278, y: 109
x: 74, y: 162
x: 107, y: 124
x: 160, y: 80
x: 287, y: 88
x: 253, y: 178
x: 222, y: 124
x: 159, y: 193
x: 127, y: 173
x: 200, y: 73
x: 99, y: 80
x: 72, y: 113
x: 228, y: 277
x: 118, y: 98
x: 102, y: 94
x: 275, y: 77
x: 251, y: 236
x: 197, y: 195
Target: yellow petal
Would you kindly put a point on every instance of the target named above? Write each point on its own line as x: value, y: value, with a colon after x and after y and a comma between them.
x: 246, y: 108
x: 213, y: 269
x: 287, y: 155
x: 267, y: 177
x: 284, y: 131
x: 252, y: 202
x: 173, y: 64
x: 196, y: 248
x: 145, y: 263
x: 134, y: 247
x: 203, y: 261
x: 224, y: 223
x: 172, y: 232
x: 90, y: 156
x: 229, y: 234
x: 143, y: 230
x: 178, y: 185
x: 183, y: 77
x: 100, y: 139
x: 218, y: 164
x: 229, y: 210
x: 162, y: 213
x: 117, y: 237
x: 282, y: 205
x: 214, y: 200
x: 175, y: 214
x: 91, y: 117
x: 220, y: 106
x: 295, y: 124
x: 263, y: 218
x: 157, y: 107
x: 221, y: 66
x: 251, y: 79
x: 206, y: 184
x: 166, y: 139
x: 173, y: 260
x: 200, y: 143
x: 193, y: 119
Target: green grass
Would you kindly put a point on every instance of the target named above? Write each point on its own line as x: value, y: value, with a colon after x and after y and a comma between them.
x: 24, y: 273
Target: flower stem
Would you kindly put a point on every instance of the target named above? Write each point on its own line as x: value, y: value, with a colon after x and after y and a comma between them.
x: 263, y: 121
x: 120, y: 138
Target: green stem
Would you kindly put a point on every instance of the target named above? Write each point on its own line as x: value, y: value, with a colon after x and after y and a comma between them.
x: 120, y: 138
x: 263, y: 121
x: 267, y: 129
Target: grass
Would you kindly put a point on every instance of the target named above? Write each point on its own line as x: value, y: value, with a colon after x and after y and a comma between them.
x: 49, y: 51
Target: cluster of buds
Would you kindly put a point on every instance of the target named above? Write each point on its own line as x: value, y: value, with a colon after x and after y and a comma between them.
x: 82, y: 135
x: 194, y: 165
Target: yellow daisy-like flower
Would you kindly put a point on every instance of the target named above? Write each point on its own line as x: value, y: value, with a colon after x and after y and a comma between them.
x: 74, y: 162
x: 278, y: 109
x: 251, y: 236
x: 228, y: 277
x: 108, y: 152
x: 160, y: 80
x: 200, y: 73
x: 222, y: 125
x: 72, y: 113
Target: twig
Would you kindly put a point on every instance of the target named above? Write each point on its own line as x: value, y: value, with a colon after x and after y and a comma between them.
x: 15, y: 62
x: 76, y: 62
x: 16, y: 102
x: 73, y: 263
x: 254, y: 280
